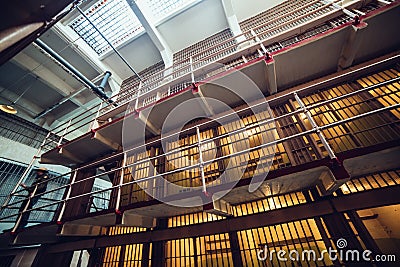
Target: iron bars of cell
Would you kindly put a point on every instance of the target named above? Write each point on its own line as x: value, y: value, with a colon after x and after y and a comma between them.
x: 315, y: 126
x: 314, y: 130
x: 295, y: 112
x: 316, y: 11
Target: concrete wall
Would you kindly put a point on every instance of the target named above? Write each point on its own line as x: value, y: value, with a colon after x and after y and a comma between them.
x: 15, y: 151
x: 385, y: 228
x: 250, y: 8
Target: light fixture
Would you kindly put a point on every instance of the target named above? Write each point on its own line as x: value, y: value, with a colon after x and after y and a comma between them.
x: 8, y: 109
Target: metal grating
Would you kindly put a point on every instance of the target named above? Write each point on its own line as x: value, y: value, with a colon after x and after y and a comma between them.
x: 371, y: 182
x: 161, y: 9
x: 9, y: 175
x: 116, y: 21
x: 241, y: 248
x: 21, y: 131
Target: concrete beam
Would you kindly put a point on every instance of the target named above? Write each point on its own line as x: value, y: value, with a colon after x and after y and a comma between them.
x: 232, y: 20
x: 111, y: 144
x: 271, y: 76
x: 351, y: 45
x: 143, y: 15
x: 149, y: 125
x: 203, y: 102
x: 86, y: 52
x: 47, y: 76
x: 70, y: 155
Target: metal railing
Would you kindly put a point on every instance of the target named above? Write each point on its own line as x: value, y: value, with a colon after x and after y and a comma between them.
x: 13, y: 174
x: 82, y: 120
x: 198, y: 66
x: 200, y: 169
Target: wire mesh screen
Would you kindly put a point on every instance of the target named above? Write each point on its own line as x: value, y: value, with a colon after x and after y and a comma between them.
x: 115, y: 20
x: 22, y: 131
x: 161, y: 9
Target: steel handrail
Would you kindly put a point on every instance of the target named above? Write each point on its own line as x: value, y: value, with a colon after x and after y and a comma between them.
x: 235, y: 131
x: 218, y: 52
x: 323, y: 127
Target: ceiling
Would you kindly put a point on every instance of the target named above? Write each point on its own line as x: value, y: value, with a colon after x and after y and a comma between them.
x: 34, y: 81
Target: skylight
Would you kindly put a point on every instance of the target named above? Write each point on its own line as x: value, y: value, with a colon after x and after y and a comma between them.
x: 162, y: 9
x: 114, y: 18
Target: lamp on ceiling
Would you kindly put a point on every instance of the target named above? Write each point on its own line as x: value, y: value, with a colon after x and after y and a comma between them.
x: 10, y: 109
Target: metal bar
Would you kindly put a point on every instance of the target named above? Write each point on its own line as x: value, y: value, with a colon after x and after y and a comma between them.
x: 316, y: 127
x: 109, y: 43
x: 148, y: 178
x: 203, y: 180
x: 121, y: 181
x: 345, y: 11
x: 62, y: 136
x: 17, y: 223
x: 139, y: 91
x: 355, y: 92
x: 80, y: 120
x: 49, y: 191
x: 360, y: 116
x: 329, y: 125
x: 248, y: 150
x: 77, y: 116
x: 92, y: 86
x: 40, y: 208
x: 98, y: 111
x: 191, y: 69
x: 290, y: 93
x: 244, y: 151
x: 298, y: 18
x: 40, y: 194
x: 93, y: 123
x: 353, y: 71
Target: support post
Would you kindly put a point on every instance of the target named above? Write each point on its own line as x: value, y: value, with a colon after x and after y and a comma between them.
x: 201, y: 166
x: 64, y: 132
x: 66, y: 198
x: 315, y: 127
x: 191, y: 69
x: 121, y: 181
x: 17, y: 223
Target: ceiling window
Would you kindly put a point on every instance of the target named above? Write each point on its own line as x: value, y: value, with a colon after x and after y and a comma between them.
x: 162, y: 9
x: 114, y: 18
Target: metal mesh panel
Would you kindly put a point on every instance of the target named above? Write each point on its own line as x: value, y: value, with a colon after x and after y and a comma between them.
x: 22, y: 131
x: 161, y: 9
